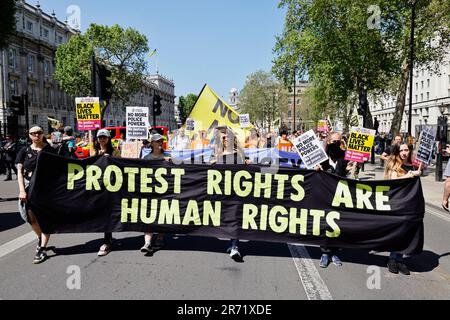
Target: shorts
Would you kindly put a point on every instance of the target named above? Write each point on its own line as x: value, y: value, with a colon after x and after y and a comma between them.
x: 23, y: 209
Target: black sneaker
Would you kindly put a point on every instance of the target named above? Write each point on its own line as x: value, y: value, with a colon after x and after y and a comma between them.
x: 40, y: 257
x: 392, y: 266
x: 158, y: 244
x: 403, y: 269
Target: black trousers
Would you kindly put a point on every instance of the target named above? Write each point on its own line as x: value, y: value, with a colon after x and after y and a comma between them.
x: 10, y: 167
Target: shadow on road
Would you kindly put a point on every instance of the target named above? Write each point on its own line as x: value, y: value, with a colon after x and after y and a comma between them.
x: 424, y: 262
x: 10, y: 221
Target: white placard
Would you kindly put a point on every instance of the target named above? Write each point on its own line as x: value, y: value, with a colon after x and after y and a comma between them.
x: 310, y: 149
x: 244, y: 119
x: 190, y: 124
x: 137, y: 123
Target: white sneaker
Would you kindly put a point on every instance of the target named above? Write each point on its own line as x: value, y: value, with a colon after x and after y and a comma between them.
x: 104, y: 250
x: 234, y: 253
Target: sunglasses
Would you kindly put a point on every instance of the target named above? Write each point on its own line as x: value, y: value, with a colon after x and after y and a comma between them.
x: 36, y: 133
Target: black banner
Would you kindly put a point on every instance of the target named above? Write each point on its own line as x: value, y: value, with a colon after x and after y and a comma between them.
x: 227, y: 201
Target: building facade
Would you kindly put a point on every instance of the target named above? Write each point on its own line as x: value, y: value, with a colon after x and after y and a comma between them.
x: 295, y: 104
x: 115, y: 114
x: 430, y: 93
x: 27, y: 65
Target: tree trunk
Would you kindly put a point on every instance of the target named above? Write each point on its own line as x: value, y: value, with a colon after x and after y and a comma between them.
x: 401, y: 100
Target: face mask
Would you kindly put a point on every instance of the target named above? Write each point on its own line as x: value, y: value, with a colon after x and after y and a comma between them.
x: 334, y: 151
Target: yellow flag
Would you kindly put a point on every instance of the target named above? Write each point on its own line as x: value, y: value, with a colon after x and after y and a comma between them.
x: 210, y: 112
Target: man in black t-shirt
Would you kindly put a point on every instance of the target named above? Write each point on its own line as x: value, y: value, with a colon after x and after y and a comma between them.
x: 385, y: 155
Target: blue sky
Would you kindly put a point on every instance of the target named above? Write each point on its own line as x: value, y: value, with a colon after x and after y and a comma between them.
x: 219, y: 42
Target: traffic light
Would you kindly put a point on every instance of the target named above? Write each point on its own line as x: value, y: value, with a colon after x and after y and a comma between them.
x: 18, y: 105
x: 157, y: 106
x: 104, y: 75
x: 363, y: 103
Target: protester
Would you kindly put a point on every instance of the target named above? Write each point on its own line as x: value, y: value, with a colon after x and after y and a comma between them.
x: 69, y: 143
x: 181, y: 141
x: 227, y: 150
x: 103, y: 147
x: 336, y: 164
x: 447, y: 183
x: 398, y: 168
x: 157, y: 153
x: 26, y: 164
x: 283, y: 143
x: 10, y: 154
x: 200, y: 141
x: 387, y: 152
x: 252, y: 141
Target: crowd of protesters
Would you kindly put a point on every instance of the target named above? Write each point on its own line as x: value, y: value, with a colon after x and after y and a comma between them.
x: 398, y: 158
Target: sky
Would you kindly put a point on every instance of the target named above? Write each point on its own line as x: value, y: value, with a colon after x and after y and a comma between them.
x: 218, y: 42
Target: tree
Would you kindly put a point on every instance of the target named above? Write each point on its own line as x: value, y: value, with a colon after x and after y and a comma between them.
x: 263, y: 98
x: 185, y: 105
x: 123, y: 51
x: 7, y: 21
x: 332, y: 41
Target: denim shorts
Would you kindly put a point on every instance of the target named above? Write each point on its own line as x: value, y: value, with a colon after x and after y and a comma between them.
x: 23, y: 209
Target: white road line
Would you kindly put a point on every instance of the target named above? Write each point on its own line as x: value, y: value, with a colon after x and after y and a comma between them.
x: 437, y: 214
x: 17, y: 243
x: 314, y: 285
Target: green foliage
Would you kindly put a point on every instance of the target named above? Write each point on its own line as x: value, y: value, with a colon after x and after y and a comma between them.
x: 123, y: 51
x: 185, y: 105
x: 7, y: 20
x: 332, y: 43
x: 263, y: 97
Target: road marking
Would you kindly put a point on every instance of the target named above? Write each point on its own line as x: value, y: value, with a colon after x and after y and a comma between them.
x: 315, y: 287
x: 17, y: 243
x: 437, y: 214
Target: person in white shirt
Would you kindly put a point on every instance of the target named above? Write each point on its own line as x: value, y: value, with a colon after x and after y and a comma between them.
x: 181, y: 141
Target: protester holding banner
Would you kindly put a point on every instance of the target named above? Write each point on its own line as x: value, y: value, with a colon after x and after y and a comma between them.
x: 26, y: 165
x: 283, y: 143
x: 336, y: 164
x: 157, y: 153
x: 397, y: 167
x: 227, y: 150
x: 103, y: 147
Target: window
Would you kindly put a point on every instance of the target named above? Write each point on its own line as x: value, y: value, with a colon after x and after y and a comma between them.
x: 30, y: 26
x: 47, y: 68
x: 46, y: 33
x: 64, y: 120
x: 416, y: 97
x: 423, y: 73
x: 428, y: 96
x: 289, y: 114
x: 417, y: 86
x: 428, y: 83
x: 47, y: 95
x: 35, y: 118
x: 60, y: 39
x: 12, y: 58
x: 13, y: 87
x: 33, y: 95
x: 421, y: 97
x: 422, y: 83
x: 30, y: 63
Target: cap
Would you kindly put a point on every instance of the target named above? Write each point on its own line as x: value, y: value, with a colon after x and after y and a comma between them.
x: 157, y: 137
x: 36, y: 129
x: 103, y: 133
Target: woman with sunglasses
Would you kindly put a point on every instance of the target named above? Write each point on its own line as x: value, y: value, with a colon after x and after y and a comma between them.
x: 103, y: 147
x: 26, y: 162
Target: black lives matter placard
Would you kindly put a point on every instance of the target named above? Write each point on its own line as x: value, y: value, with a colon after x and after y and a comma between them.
x: 110, y: 194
